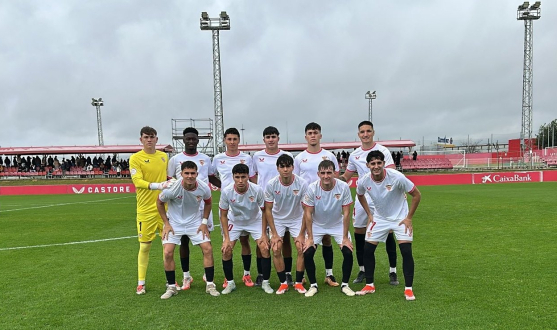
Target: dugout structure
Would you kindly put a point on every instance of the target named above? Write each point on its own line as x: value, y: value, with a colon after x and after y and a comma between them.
x: 205, y: 128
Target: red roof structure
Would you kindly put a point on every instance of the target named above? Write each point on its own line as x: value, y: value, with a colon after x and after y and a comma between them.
x: 330, y: 145
x: 66, y: 150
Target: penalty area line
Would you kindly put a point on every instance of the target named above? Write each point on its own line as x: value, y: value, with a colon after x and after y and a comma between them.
x: 69, y: 243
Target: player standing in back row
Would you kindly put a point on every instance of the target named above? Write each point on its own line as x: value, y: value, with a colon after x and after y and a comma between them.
x: 357, y: 163
x: 206, y: 173
x: 148, y: 173
x: 223, y: 163
x: 387, y: 188
x: 265, y: 165
x: 305, y: 166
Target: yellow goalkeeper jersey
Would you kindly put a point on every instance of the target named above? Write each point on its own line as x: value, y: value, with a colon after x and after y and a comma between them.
x: 144, y: 169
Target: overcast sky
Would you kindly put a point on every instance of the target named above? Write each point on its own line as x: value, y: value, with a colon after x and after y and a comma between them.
x: 440, y: 68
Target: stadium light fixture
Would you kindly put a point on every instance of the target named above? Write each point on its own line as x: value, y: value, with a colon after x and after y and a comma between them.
x: 98, y: 103
x: 370, y: 96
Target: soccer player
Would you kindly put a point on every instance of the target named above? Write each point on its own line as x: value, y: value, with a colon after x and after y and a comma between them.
x: 265, y: 165
x: 387, y: 188
x: 206, y: 173
x: 186, y: 219
x: 148, y: 173
x: 283, y: 212
x: 245, y: 200
x: 357, y: 163
x: 327, y: 212
x: 305, y: 166
x: 223, y: 164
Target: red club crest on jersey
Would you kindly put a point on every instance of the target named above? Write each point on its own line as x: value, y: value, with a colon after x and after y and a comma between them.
x: 222, y: 161
x: 232, y: 200
x: 318, y: 197
x: 202, y: 162
x: 261, y: 160
x: 295, y: 192
x: 277, y: 192
x: 163, y: 160
x: 242, y: 161
x: 337, y: 196
x: 198, y: 198
x: 389, y: 187
x: 251, y: 198
x: 180, y: 197
x: 368, y: 188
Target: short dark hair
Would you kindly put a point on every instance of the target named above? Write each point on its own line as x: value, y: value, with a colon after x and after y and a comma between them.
x: 147, y: 130
x: 231, y: 130
x: 312, y: 126
x: 326, y: 164
x: 375, y: 154
x: 365, y: 122
x: 270, y: 130
x: 190, y: 130
x: 285, y: 160
x: 240, y: 169
x: 189, y: 165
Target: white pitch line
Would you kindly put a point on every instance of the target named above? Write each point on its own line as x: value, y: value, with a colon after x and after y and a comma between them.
x: 62, y: 204
x: 69, y: 243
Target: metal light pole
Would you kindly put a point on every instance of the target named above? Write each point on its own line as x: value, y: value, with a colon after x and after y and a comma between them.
x: 371, y: 96
x: 98, y: 103
x: 527, y: 14
x: 215, y: 25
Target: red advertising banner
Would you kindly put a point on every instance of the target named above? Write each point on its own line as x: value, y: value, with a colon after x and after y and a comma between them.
x: 505, y: 177
x: 69, y: 189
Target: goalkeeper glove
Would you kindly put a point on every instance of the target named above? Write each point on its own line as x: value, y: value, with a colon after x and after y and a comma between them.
x: 162, y: 185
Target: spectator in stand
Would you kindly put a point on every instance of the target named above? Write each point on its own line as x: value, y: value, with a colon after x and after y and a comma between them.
x: 414, y: 155
x: 89, y: 167
x: 108, y: 162
x: 1, y: 161
x: 15, y: 162
x: 72, y: 161
x: 88, y: 161
x: 50, y: 161
x: 43, y: 161
x: 7, y: 161
x: 95, y: 162
x: 56, y: 163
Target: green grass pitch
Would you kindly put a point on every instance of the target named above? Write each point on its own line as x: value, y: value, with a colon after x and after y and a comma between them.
x: 485, y: 259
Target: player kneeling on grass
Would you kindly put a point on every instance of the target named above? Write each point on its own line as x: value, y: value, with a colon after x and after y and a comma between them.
x: 245, y: 202
x: 185, y: 218
x: 327, y: 212
x: 387, y: 188
x: 283, y: 212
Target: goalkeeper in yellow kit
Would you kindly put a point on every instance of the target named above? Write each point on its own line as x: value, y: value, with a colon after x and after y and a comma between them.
x: 148, y: 173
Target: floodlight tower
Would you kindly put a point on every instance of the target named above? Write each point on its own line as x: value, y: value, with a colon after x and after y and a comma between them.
x: 370, y: 96
x: 98, y: 103
x: 527, y: 14
x: 215, y: 25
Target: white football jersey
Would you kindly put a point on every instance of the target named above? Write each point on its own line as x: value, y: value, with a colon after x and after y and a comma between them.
x: 184, y: 205
x: 357, y: 161
x: 388, y: 195
x: 204, y: 166
x: 306, y: 164
x: 223, y: 164
x: 242, y: 207
x: 287, y: 200
x: 327, y: 204
x: 265, y: 165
